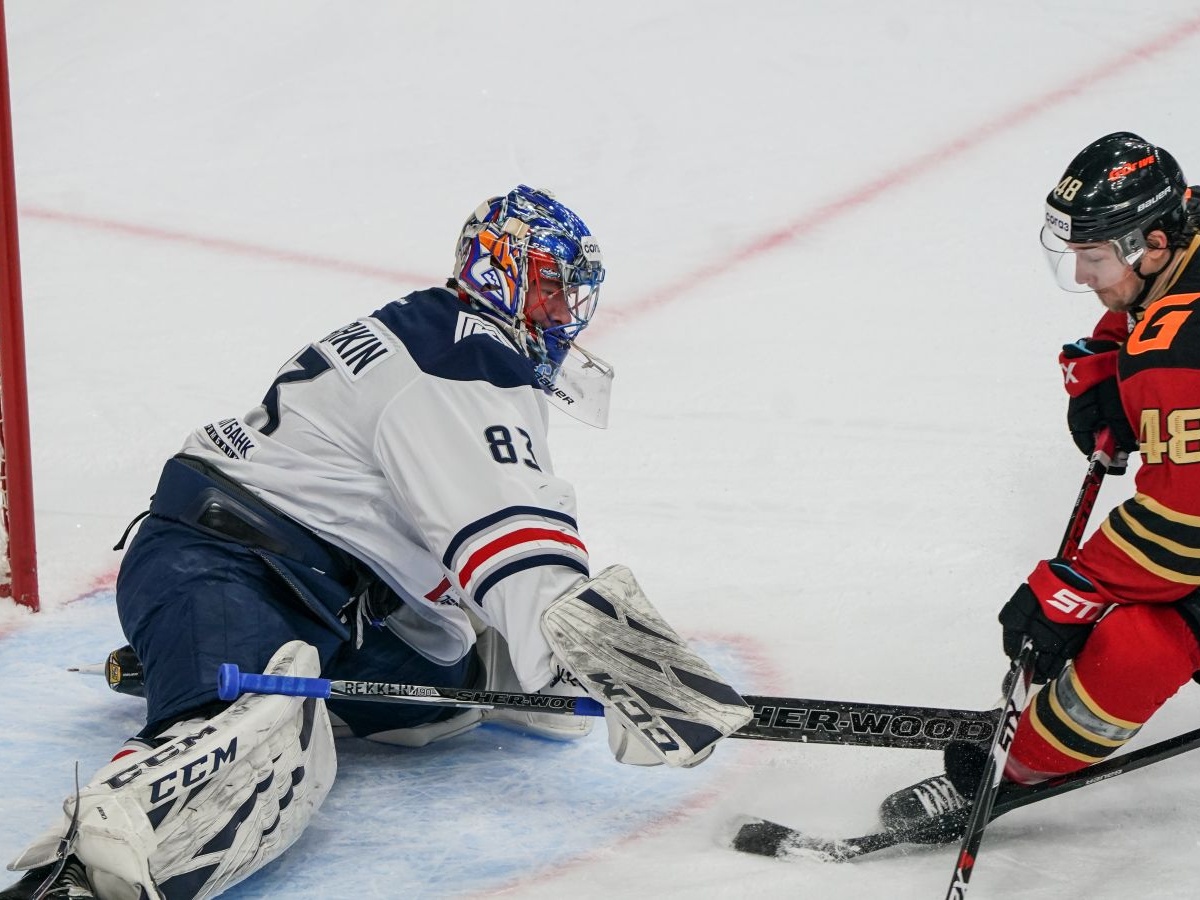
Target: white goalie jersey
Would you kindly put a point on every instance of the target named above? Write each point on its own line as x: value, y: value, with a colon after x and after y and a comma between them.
x: 415, y: 439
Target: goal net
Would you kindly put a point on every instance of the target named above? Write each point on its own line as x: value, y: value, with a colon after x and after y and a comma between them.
x: 18, y: 559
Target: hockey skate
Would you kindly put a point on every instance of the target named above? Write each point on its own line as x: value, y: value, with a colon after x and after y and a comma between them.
x: 936, y: 801
x: 44, y: 882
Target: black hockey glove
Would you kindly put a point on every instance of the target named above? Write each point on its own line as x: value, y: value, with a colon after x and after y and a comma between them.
x: 1056, y: 608
x: 1089, y: 370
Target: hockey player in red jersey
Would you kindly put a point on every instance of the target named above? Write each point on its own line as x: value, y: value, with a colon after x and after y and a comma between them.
x: 1116, y: 630
x: 390, y: 512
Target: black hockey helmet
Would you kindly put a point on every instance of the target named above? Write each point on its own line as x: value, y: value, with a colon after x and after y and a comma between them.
x: 1116, y: 185
x: 1115, y: 191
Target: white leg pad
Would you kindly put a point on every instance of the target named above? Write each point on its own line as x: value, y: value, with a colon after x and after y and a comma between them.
x: 218, y: 801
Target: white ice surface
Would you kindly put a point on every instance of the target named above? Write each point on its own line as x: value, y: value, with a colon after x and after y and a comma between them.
x: 836, y: 442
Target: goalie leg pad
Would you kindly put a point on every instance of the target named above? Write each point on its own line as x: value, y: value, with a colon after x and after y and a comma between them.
x: 217, y: 801
x: 626, y: 656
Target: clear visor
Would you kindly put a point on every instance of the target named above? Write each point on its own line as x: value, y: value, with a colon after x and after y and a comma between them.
x: 1096, y: 266
x: 581, y: 386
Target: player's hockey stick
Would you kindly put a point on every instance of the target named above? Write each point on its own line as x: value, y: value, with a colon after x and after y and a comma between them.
x: 766, y: 838
x: 771, y: 839
x: 1019, y: 676
x: 776, y: 718
x: 979, y: 813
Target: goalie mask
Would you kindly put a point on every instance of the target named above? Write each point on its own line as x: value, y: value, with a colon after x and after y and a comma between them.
x: 532, y: 262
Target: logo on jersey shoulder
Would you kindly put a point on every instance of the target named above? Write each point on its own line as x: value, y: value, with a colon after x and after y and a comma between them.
x: 232, y: 438
x: 469, y: 325
x: 357, y: 348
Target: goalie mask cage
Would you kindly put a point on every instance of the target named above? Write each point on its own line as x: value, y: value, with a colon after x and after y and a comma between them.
x: 18, y: 557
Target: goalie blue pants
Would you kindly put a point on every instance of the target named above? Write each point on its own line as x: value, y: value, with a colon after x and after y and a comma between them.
x: 191, y: 598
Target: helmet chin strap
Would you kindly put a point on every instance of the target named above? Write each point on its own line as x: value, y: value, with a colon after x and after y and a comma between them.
x: 1147, y: 278
x: 1140, y: 299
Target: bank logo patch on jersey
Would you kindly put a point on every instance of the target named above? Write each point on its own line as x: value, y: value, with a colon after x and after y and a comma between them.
x: 469, y: 326
x: 232, y: 437
x: 357, y: 348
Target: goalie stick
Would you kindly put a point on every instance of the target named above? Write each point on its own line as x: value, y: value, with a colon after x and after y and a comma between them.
x: 850, y: 723
x: 766, y: 838
x: 791, y: 719
x: 784, y: 719
x: 232, y: 683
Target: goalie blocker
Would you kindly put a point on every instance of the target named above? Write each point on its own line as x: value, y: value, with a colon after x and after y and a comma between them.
x: 663, y: 703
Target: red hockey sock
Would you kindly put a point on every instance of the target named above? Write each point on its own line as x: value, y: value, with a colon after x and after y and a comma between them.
x: 1137, y: 657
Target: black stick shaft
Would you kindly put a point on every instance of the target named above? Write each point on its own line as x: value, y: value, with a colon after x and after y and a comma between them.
x: 1017, y: 684
x: 1014, y: 796
x: 989, y: 782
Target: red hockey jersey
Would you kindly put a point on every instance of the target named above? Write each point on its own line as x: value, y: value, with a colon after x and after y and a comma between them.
x: 1148, y: 549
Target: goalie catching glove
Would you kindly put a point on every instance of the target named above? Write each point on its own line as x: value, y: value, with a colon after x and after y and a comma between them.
x: 662, y: 702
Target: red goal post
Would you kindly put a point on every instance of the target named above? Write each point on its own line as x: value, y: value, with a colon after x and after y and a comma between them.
x: 18, y: 554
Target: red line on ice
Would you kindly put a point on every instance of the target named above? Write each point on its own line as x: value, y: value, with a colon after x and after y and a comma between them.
x: 767, y: 242
x: 912, y: 169
x: 227, y: 245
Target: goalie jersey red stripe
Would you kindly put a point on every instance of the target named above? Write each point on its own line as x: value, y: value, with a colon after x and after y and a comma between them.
x: 517, y: 541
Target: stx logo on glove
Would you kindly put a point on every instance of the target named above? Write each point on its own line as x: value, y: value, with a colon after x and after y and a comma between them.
x: 1086, y: 363
x: 1067, y: 601
x: 1068, y: 370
